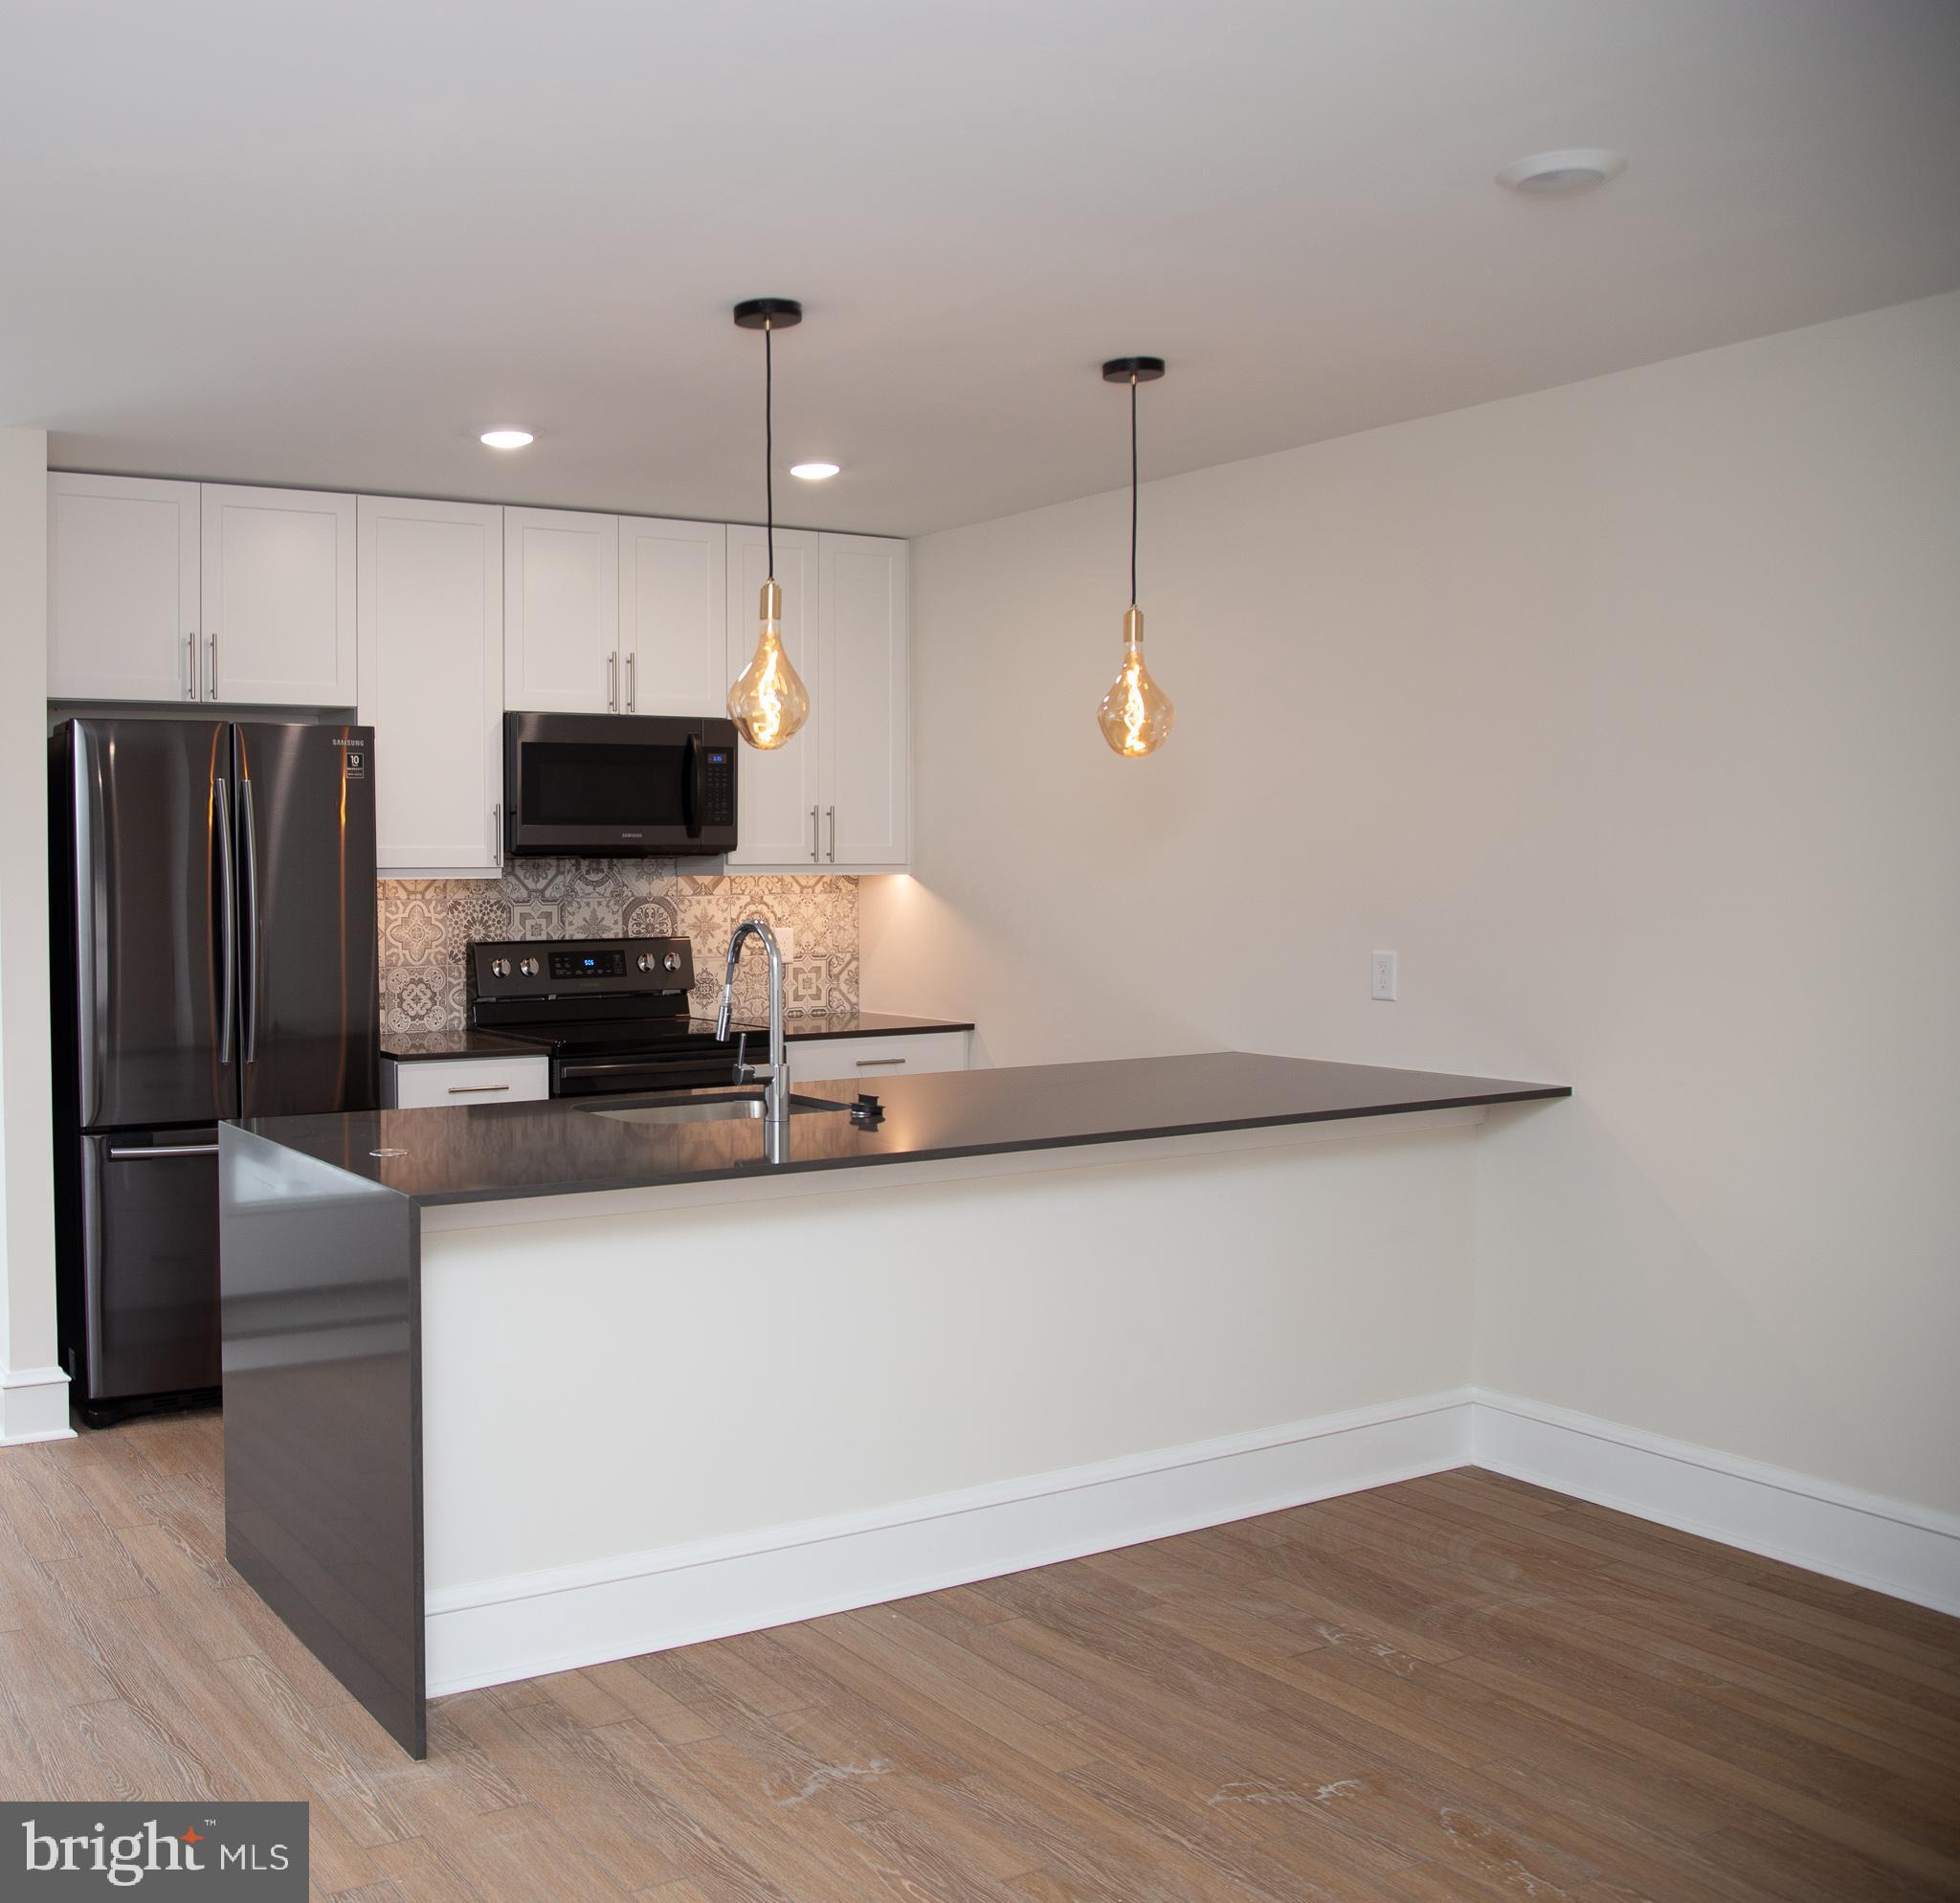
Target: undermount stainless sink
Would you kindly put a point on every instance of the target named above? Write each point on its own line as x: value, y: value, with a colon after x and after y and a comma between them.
x: 718, y: 1108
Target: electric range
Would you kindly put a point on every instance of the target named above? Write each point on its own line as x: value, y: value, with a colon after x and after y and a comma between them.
x: 612, y: 1012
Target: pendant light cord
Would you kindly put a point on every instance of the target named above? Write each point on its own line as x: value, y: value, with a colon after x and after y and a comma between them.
x: 1132, y: 488
x: 768, y: 442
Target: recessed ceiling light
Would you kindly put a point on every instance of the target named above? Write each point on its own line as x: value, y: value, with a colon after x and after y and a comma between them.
x: 506, y: 439
x: 1574, y: 168
x: 813, y: 472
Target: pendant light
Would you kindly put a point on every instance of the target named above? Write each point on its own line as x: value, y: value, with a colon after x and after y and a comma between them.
x: 768, y: 701
x: 1136, y: 714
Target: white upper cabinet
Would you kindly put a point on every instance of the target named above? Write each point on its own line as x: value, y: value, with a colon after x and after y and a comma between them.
x: 673, y: 616
x: 561, y: 611
x: 780, y: 793
x: 432, y: 681
x: 279, y: 598
x: 124, y: 620
x: 866, y: 652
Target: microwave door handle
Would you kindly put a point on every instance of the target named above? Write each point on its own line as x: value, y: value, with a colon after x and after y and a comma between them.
x: 691, y: 788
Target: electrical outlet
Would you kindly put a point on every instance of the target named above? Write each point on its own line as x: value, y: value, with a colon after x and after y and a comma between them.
x: 1381, y: 983
x: 785, y: 943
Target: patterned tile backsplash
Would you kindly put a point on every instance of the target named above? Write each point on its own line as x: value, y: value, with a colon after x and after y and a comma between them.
x: 428, y: 924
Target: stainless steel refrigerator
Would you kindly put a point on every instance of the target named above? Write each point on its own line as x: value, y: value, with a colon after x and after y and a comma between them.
x: 214, y: 957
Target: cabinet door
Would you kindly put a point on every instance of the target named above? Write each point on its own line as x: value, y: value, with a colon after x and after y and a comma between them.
x: 431, y: 679
x: 672, y: 618
x: 123, y: 589
x: 561, y: 611
x: 279, y: 598
x: 866, y: 650
x: 781, y: 792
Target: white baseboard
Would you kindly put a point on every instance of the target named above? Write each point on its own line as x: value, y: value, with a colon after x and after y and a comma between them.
x: 1912, y: 1552
x: 492, y: 1632
x: 34, y: 1405
x: 496, y: 1631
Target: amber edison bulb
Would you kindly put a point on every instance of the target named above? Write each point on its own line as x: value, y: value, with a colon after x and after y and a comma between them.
x: 1136, y: 715
x: 768, y: 701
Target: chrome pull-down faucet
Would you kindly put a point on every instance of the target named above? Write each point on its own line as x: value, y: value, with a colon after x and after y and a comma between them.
x: 776, y: 1095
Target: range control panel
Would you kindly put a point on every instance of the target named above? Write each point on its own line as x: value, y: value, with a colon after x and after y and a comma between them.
x: 533, y: 968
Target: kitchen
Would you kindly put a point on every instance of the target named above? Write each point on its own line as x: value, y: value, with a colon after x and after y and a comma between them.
x: 994, y: 1294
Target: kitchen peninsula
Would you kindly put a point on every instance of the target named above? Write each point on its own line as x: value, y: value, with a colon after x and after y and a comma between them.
x: 519, y: 1387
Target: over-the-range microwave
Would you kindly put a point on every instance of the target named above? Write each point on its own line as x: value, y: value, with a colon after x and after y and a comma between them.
x: 618, y: 786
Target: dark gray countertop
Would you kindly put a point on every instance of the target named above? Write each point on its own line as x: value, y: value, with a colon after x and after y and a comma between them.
x: 500, y: 1151
x: 420, y: 1046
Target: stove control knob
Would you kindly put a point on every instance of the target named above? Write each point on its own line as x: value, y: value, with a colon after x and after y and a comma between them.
x: 646, y: 961
x: 528, y: 967
x: 500, y: 968
x: 670, y: 962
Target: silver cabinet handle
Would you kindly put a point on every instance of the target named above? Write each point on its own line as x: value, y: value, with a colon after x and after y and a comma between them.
x: 879, y: 1062
x: 163, y: 1150
x: 210, y: 663
x: 474, y: 1089
x: 190, y: 665
x: 812, y: 836
x: 496, y: 834
x: 632, y: 691
x: 228, y: 915
x: 612, y: 682
x: 832, y: 811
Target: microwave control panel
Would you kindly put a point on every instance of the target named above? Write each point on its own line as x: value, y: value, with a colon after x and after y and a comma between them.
x: 718, y: 786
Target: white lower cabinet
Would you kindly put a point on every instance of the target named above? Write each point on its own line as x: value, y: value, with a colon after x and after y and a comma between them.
x: 432, y: 681
x: 445, y: 1083
x: 868, y: 1059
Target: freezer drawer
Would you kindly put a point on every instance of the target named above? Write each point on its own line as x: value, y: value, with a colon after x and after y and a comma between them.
x: 149, y: 1263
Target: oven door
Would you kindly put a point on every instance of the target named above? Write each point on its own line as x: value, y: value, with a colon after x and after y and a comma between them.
x: 644, y: 1071
x: 618, y: 786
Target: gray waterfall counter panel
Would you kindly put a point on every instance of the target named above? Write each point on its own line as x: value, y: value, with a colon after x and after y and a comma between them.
x: 321, y: 1242
x: 320, y: 1308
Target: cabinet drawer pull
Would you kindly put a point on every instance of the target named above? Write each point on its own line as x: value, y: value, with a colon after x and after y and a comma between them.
x: 879, y: 1062
x: 158, y: 1150
x: 472, y: 1089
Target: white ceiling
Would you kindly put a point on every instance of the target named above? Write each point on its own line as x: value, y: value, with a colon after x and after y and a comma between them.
x: 326, y: 244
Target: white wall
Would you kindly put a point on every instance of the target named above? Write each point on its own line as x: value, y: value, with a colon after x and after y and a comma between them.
x: 34, y: 1397
x: 1626, y: 713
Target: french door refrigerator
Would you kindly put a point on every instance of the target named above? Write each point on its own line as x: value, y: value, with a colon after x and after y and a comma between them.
x: 214, y: 957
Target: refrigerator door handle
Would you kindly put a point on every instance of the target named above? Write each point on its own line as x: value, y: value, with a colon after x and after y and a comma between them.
x: 250, y: 841
x: 228, y: 919
x: 90, y: 906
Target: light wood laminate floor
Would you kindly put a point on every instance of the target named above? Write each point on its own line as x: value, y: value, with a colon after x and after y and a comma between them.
x: 1459, y: 1686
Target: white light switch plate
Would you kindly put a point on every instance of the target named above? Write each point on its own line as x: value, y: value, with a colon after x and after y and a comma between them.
x: 785, y: 943
x: 1381, y: 982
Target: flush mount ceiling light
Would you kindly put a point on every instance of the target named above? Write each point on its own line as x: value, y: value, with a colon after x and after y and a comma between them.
x: 1136, y: 714
x: 813, y: 472
x: 1572, y: 169
x: 768, y: 701
x: 506, y: 439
